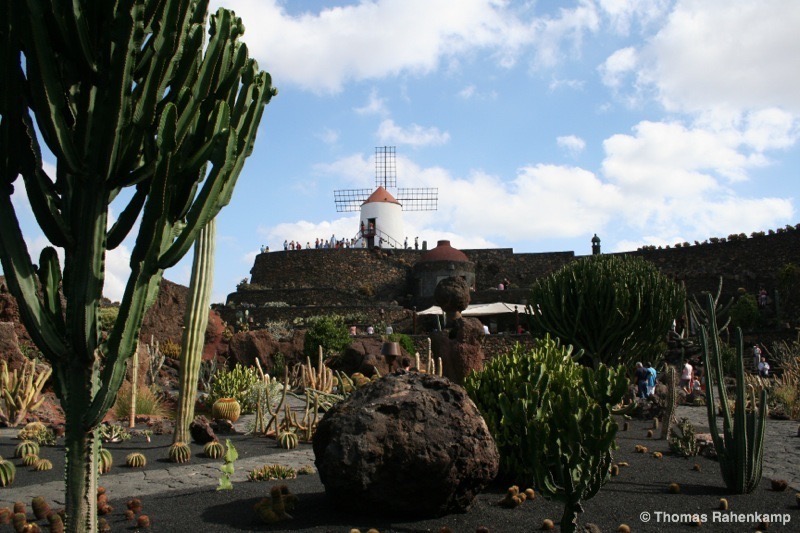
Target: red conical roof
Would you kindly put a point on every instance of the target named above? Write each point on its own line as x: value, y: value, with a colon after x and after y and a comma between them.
x: 380, y: 195
x: 444, y: 252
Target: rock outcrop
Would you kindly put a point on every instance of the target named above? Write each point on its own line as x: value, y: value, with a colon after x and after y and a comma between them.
x: 408, y: 443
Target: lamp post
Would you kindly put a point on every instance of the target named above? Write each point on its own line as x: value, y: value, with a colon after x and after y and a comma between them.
x: 390, y: 352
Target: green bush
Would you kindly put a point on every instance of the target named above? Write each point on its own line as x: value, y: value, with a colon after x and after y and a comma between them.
x: 405, y: 342
x: 551, y: 419
x: 330, y: 332
x: 744, y: 313
x: 106, y: 316
x: 235, y: 383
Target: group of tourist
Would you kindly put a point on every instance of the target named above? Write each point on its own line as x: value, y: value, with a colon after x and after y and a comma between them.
x: 319, y: 244
x: 645, y: 376
x: 760, y: 363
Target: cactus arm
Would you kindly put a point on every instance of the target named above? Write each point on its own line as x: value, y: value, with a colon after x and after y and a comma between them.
x: 50, y: 280
x: 21, y: 277
x: 47, y: 89
x: 127, y: 218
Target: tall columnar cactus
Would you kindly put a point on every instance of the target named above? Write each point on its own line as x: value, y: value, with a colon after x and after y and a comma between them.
x: 612, y: 308
x: 126, y: 95
x: 194, y: 331
x: 740, y: 448
x: 670, y: 402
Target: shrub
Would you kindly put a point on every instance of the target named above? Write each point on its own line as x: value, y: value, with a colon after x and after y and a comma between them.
x: 235, y: 383
x: 106, y: 316
x: 171, y: 350
x: 148, y: 402
x: 551, y: 419
x: 404, y: 340
x: 330, y: 332
x: 744, y: 312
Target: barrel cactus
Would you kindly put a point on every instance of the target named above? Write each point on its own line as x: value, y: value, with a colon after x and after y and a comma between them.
x: 226, y: 408
x: 136, y: 460
x: 27, y: 447
x: 30, y: 459
x: 7, y: 472
x: 180, y: 453
x: 42, y: 465
x: 104, y: 461
x: 288, y: 440
x: 214, y: 450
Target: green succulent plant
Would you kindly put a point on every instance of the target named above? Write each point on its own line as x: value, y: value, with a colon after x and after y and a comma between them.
x: 179, y: 452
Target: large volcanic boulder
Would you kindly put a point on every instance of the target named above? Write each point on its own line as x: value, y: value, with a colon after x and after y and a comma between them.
x: 364, y: 355
x: 408, y: 443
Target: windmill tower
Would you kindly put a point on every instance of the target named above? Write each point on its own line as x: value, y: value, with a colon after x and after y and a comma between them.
x: 381, y: 220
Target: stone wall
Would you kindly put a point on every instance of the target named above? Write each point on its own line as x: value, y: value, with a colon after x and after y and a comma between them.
x: 364, y: 276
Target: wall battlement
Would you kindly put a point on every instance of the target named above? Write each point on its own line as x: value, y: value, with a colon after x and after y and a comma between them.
x: 356, y: 277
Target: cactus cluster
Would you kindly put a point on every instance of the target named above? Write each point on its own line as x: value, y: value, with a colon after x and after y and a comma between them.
x: 136, y: 105
x: 740, y: 448
x: 30, y: 459
x: 21, y: 390
x: 24, y: 448
x: 214, y: 449
x: 179, y: 452
x: 136, y: 460
x: 682, y: 441
x: 554, y: 417
x: 38, y: 433
x: 271, y: 472
x: 277, y: 506
x: 514, y: 497
x: 7, y: 472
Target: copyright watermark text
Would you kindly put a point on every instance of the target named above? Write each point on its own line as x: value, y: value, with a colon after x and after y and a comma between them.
x: 715, y: 517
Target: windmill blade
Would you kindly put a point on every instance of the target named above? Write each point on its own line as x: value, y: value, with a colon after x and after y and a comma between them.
x: 349, y: 200
x: 418, y: 198
x: 385, y: 167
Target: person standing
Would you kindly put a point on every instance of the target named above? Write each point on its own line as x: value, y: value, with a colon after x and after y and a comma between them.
x: 756, y: 356
x: 651, y: 378
x: 640, y: 375
x: 686, y: 375
x: 763, y: 368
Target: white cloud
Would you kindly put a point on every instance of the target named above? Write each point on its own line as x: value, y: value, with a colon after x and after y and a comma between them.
x: 622, y: 14
x: 414, y: 135
x: 375, y: 105
x: 718, y: 53
x: 467, y: 92
x: 617, y: 66
x: 572, y: 144
x: 557, y: 83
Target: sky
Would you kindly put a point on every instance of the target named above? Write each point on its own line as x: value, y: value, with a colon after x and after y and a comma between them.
x: 541, y: 123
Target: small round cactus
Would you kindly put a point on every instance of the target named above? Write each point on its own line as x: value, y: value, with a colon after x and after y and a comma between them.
x: 779, y: 485
x: 624, y: 528
x: 42, y: 465
x: 288, y: 440
x: 40, y: 508
x: 674, y: 488
x: 696, y: 467
x: 649, y: 433
x: 548, y: 524
x: 658, y: 455
x: 723, y: 504
x: 136, y: 460
x: 24, y: 448
x: 30, y: 459
x: 614, y: 470
x: 180, y: 452
x: 134, y: 505
x: 143, y: 521
x: 214, y: 449
x: 104, y: 461
x: 530, y: 493
x: 7, y: 472
x: 227, y: 408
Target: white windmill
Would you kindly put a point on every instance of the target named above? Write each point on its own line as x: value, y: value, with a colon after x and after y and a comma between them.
x: 381, y: 220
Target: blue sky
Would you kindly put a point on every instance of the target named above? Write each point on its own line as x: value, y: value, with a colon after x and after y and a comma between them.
x: 541, y: 123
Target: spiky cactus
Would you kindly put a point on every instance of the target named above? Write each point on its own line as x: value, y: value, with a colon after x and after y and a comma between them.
x: 670, y: 402
x: 21, y: 390
x: 194, y: 331
x: 27, y: 447
x: 104, y: 461
x: 42, y: 465
x: 214, y: 449
x: 136, y: 460
x: 740, y: 448
x: 7, y: 472
x: 125, y: 95
x: 226, y: 408
x: 30, y: 459
x: 288, y: 440
x: 179, y: 452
